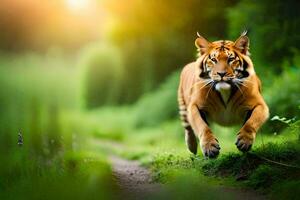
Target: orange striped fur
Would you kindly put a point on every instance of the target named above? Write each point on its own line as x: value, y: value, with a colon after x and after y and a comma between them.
x: 220, y: 86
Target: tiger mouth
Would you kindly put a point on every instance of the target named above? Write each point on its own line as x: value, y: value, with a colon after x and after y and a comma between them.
x: 222, y: 85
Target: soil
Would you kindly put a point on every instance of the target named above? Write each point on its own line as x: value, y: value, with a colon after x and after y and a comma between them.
x: 134, y: 181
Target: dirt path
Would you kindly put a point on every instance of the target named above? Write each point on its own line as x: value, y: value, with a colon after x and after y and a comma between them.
x: 134, y: 181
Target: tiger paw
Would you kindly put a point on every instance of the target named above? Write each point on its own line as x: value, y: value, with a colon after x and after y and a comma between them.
x: 244, y: 141
x: 210, y: 147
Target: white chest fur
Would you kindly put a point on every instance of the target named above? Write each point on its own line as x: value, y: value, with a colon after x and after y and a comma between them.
x: 226, y: 115
x: 224, y: 89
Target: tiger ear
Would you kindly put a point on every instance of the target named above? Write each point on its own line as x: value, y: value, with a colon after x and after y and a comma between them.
x: 242, y: 44
x: 202, y: 44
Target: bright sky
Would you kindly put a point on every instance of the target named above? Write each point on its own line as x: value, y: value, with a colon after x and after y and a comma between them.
x: 78, y: 5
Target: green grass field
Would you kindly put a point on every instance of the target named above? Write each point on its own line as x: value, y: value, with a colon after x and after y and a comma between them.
x: 273, y: 162
x: 65, y: 148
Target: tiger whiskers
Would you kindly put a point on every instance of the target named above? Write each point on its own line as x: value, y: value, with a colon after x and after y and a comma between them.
x: 246, y: 80
x: 230, y: 77
x: 237, y: 85
x: 211, y: 86
x: 206, y: 81
x: 240, y: 82
x: 244, y: 85
x: 206, y: 84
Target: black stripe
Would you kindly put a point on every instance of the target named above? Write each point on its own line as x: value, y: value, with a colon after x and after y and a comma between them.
x: 188, y: 128
x: 203, y: 115
x: 204, y: 73
x: 222, y: 48
x: 248, y: 115
x: 183, y: 119
x: 244, y: 72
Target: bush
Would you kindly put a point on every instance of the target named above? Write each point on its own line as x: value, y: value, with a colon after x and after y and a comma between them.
x: 102, y: 71
x: 262, y: 168
x: 35, y: 91
x: 77, y: 175
x: 283, y: 98
x: 274, y: 36
x: 158, y: 106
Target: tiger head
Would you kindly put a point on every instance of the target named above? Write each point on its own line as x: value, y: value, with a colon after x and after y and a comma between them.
x: 224, y: 63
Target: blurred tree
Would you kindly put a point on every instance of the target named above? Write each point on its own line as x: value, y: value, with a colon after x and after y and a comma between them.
x: 38, y: 25
x: 102, y: 71
x: 274, y: 30
x: 35, y: 128
x: 162, y: 101
x: 54, y: 138
x: 157, y: 37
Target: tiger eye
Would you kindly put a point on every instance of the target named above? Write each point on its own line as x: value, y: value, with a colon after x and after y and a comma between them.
x: 214, y: 60
x: 231, y: 59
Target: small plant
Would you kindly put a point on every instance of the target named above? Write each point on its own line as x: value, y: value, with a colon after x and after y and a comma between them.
x: 292, y: 123
x: 283, y: 119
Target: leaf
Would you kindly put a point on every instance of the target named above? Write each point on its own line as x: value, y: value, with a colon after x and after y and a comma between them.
x: 283, y: 119
x: 275, y: 118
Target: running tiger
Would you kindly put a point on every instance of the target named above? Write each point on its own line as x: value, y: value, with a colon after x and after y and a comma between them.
x: 221, y: 86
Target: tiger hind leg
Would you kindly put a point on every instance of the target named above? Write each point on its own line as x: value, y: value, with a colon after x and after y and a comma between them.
x: 191, y: 140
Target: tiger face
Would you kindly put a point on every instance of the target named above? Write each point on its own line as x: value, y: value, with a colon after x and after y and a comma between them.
x: 225, y: 63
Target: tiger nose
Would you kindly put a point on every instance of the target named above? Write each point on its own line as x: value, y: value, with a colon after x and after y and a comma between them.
x: 221, y: 74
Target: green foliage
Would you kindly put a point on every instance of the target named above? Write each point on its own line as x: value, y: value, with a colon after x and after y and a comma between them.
x: 164, y: 166
x: 161, y: 105
x: 286, y: 190
x: 138, y: 62
x: 102, y: 72
x: 271, y: 34
x: 36, y: 92
x: 282, y: 119
x: 264, y: 168
x: 190, y: 185
x: 261, y: 169
x: 75, y: 176
x: 265, y: 175
x: 283, y: 98
x: 156, y: 43
x: 295, y: 128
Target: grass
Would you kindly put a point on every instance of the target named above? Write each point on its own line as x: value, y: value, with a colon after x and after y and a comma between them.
x: 40, y: 98
x: 42, y: 102
x: 191, y: 184
x: 162, y: 149
x: 38, y: 93
x: 80, y: 175
x: 250, y: 170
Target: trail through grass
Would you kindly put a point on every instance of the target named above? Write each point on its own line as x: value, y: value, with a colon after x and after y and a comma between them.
x: 162, y: 150
x: 161, y: 179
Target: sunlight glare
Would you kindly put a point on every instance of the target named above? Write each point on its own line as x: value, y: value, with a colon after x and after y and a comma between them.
x: 78, y: 4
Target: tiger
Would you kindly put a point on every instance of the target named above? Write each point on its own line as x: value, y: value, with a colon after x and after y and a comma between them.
x: 220, y: 86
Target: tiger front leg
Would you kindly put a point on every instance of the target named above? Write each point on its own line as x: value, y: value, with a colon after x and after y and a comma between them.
x: 208, y: 143
x: 247, y: 134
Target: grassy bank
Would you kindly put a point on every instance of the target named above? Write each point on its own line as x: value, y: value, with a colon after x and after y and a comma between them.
x: 80, y: 175
x: 271, y: 168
